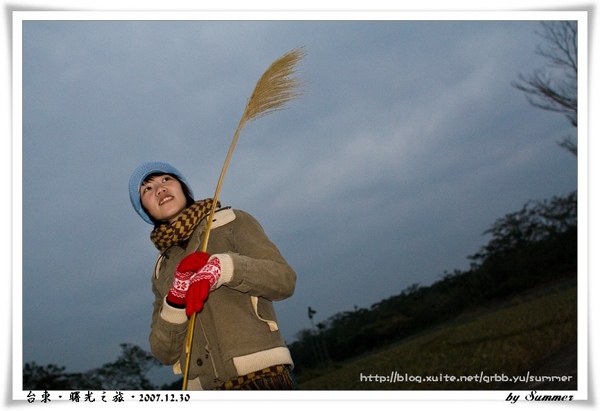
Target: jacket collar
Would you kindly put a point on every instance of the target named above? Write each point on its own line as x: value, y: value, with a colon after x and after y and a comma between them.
x: 222, y: 216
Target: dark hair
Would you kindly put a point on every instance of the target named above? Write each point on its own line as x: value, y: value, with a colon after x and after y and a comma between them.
x: 189, y: 200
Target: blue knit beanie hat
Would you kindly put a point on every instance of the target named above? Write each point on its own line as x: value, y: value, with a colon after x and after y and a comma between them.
x: 138, y: 177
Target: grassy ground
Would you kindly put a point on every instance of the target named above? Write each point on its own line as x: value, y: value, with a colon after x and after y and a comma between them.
x: 502, y: 342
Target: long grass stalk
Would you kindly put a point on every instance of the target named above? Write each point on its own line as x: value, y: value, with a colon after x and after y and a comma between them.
x: 275, y: 88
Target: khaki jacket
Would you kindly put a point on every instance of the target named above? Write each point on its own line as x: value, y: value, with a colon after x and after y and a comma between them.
x: 237, y: 331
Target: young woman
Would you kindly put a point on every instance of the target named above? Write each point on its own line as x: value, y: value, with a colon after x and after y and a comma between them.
x: 231, y: 287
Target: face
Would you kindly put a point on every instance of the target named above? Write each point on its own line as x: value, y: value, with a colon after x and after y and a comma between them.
x: 163, y: 197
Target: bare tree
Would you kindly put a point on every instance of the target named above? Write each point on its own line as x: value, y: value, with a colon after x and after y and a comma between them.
x: 554, y: 88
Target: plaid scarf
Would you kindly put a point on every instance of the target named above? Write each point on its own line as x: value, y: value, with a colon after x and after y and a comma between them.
x: 166, y: 235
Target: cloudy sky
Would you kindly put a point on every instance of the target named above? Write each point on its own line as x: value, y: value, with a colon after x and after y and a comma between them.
x: 408, y: 143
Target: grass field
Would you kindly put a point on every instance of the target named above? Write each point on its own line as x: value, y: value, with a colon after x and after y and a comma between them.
x: 504, y: 341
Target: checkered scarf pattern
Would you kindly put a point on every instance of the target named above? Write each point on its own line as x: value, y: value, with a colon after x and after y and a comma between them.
x: 166, y: 235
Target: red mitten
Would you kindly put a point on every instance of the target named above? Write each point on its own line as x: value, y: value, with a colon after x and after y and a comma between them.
x: 201, y: 284
x: 186, y: 268
x: 193, y: 262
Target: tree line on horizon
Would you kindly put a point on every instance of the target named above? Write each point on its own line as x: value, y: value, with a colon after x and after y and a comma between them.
x: 530, y: 248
